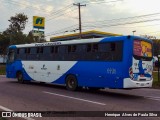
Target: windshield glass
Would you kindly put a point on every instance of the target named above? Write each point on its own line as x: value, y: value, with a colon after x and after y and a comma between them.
x: 142, y: 49
x: 10, y: 56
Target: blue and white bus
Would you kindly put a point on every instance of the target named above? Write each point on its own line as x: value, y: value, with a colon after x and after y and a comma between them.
x: 111, y: 62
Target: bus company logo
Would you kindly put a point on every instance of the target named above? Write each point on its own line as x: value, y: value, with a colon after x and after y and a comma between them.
x: 44, y: 68
x: 6, y: 114
x: 47, y: 44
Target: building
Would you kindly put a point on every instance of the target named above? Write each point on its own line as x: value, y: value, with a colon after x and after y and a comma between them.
x: 84, y: 35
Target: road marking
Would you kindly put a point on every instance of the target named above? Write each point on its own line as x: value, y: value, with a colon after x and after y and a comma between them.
x: 80, y: 99
x: 152, y: 98
x: 7, y: 109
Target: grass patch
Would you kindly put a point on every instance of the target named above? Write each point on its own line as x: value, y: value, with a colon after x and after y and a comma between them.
x: 2, y: 69
x: 156, y: 83
x: 2, y: 118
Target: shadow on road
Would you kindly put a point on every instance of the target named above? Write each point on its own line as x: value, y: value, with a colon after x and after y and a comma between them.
x: 113, y: 93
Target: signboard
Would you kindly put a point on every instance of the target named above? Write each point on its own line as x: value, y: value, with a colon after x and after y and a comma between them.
x: 142, y: 48
x: 38, y: 22
x: 38, y: 33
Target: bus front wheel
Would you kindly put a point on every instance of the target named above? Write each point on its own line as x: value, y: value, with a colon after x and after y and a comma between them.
x: 20, y: 77
x: 71, y: 82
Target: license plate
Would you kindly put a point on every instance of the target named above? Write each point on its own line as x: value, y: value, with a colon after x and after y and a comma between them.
x: 142, y: 84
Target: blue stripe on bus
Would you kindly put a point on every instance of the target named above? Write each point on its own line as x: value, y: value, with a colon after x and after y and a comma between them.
x: 111, y: 77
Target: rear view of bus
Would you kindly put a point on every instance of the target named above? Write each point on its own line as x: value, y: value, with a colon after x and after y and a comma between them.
x: 140, y: 71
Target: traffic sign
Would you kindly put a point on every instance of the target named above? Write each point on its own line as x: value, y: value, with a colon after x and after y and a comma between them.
x: 38, y: 33
x: 38, y: 22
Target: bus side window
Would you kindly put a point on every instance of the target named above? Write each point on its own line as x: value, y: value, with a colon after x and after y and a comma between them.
x: 21, y: 51
x: 46, y: 50
x: 95, y: 47
x: 32, y: 55
x: 27, y: 50
x: 92, y: 47
x: 113, y: 46
x: 22, y: 54
x: 103, y: 47
x: 17, y: 54
x: 18, y: 51
x: 54, y: 49
x: 81, y: 48
x: 40, y: 50
x: 45, y: 53
x: 33, y: 51
x: 72, y: 48
x: 72, y: 53
x: 89, y: 47
x: 53, y: 53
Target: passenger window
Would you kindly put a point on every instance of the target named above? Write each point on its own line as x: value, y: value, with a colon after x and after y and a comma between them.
x: 54, y: 49
x: 72, y: 48
x: 113, y: 46
x: 89, y: 47
x: 40, y: 50
x: 95, y: 47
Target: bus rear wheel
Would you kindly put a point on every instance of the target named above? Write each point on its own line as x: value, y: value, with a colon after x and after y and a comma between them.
x: 71, y: 83
x: 20, y: 77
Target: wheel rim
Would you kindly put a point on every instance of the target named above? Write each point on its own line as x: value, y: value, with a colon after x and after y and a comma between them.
x: 20, y: 77
x: 71, y: 83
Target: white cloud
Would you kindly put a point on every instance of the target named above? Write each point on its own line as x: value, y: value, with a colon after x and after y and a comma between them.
x: 49, y: 8
x: 92, y: 12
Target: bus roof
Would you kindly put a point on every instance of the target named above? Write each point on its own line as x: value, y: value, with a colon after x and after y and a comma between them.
x: 77, y: 41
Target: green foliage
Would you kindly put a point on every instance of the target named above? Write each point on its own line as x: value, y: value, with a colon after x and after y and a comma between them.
x: 18, y: 22
x: 2, y: 118
x: 2, y: 69
x: 156, y: 47
x: 14, y: 33
x: 156, y: 83
x: 4, y: 42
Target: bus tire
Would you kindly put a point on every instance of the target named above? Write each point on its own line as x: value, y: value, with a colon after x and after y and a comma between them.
x: 20, y: 77
x: 71, y: 83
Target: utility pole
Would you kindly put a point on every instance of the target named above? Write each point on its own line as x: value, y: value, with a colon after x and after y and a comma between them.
x: 80, y: 25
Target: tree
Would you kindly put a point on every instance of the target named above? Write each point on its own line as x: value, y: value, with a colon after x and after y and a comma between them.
x: 29, y: 38
x: 18, y: 22
x: 14, y: 33
x: 156, y: 48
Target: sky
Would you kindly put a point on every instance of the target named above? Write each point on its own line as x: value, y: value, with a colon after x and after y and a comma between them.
x: 61, y: 16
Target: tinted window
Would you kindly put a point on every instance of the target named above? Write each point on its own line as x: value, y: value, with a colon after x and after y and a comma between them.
x: 33, y: 50
x: 11, y: 55
x: 109, y: 51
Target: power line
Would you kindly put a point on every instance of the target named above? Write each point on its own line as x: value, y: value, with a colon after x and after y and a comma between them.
x: 125, y: 18
x: 111, y: 25
x: 27, y: 6
x: 58, y: 13
x: 100, y: 2
x: 64, y: 30
x: 135, y: 22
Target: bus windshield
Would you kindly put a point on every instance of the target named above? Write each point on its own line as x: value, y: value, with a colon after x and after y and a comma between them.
x: 142, y: 50
x: 10, y: 56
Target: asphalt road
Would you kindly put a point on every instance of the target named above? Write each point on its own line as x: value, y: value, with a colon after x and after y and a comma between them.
x: 43, y: 97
